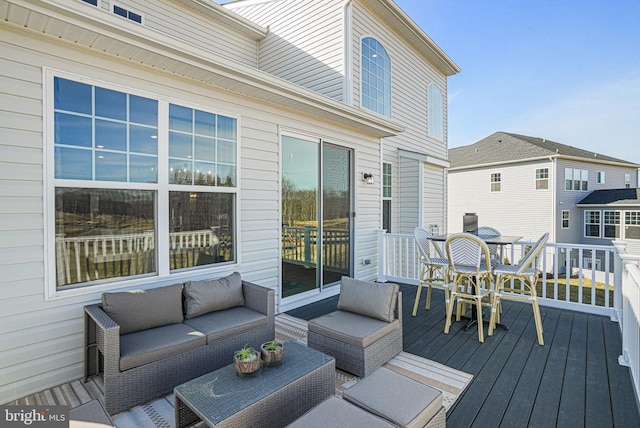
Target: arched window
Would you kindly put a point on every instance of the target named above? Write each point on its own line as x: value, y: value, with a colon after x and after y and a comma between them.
x: 435, y: 107
x: 376, y: 77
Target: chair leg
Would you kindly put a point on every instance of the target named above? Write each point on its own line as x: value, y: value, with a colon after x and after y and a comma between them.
x: 427, y: 306
x: 447, y: 323
x: 538, y: 319
x: 415, y: 305
x: 480, y: 325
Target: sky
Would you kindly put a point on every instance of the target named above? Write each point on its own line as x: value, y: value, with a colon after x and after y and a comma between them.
x: 564, y: 70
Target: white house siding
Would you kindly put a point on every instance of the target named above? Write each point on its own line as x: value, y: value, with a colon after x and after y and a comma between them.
x: 309, y: 53
x: 518, y: 209
x: 434, y: 198
x: 41, y: 340
x: 410, y: 76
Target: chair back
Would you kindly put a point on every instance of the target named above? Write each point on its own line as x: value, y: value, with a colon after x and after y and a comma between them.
x: 532, y: 256
x: 490, y: 232
x: 466, y: 249
x: 423, y: 242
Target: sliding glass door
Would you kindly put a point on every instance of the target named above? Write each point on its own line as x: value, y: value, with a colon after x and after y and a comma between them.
x: 316, y: 214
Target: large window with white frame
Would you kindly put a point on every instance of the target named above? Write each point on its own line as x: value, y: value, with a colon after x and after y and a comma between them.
x: 435, y: 112
x: 632, y: 224
x: 611, y: 224
x: 592, y: 224
x: 576, y: 179
x: 130, y: 171
x: 375, y: 77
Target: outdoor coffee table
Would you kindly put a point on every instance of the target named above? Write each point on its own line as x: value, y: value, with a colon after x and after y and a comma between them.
x: 273, y: 396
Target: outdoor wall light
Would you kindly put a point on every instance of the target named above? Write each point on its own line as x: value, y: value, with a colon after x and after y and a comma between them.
x: 367, y: 177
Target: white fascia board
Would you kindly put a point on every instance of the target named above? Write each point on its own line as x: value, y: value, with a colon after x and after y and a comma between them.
x: 424, y: 158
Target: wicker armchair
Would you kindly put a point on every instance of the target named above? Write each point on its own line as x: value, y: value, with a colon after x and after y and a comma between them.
x: 434, y: 269
x: 366, y: 330
x: 526, y: 273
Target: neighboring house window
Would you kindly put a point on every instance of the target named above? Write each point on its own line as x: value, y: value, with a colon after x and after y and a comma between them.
x: 576, y: 179
x: 132, y: 16
x: 386, y: 196
x: 627, y: 181
x: 93, y: 2
x: 592, y: 224
x: 565, y: 219
x: 542, y: 178
x: 435, y: 110
x: 600, y: 177
x: 632, y: 224
x: 495, y: 182
x: 376, y: 77
x: 611, y: 224
x: 112, y: 208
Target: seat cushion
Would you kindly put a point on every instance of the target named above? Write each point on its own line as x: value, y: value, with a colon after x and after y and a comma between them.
x: 229, y: 322
x: 396, y: 398
x: 334, y: 412
x: 89, y: 414
x: 137, y: 310
x: 357, y: 330
x: 154, y: 344
x: 201, y: 297
x: 373, y: 299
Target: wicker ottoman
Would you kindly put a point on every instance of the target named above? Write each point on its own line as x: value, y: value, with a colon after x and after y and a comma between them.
x: 398, y: 399
x: 335, y: 412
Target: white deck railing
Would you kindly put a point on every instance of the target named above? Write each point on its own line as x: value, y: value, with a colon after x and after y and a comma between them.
x: 629, y: 312
x: 597, y: 279
x: 578, y: 277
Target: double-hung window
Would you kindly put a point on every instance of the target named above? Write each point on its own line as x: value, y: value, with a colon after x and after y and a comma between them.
x: 576, y: 179
x: 627, y: 181
x: 632, y: 224
x: 592, y: 224
x: 142, y: 186
x: 611, y: 224
x: 386, y: 197
x: 566, y: 216
x: 542, y: 178
x: 496, y: 181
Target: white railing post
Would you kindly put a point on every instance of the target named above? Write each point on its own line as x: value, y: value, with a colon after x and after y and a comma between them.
x: 630, y: 326
x: 618, y: 265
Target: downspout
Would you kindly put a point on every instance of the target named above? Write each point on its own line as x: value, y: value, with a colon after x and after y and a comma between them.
x: 554, y: 204
x: 348, y: 54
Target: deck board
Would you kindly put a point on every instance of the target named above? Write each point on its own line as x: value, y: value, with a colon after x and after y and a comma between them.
x: 573, y: 380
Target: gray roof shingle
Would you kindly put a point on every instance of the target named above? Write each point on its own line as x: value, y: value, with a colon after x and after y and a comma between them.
x: 506, y: 147
x: 612, y: 197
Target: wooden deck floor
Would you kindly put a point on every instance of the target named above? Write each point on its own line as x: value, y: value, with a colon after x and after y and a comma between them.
x: 573, y: 380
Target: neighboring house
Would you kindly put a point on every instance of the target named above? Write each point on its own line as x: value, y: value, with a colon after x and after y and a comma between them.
x: 152, y: 143
x: 528, y: 186
x: 613, y: 214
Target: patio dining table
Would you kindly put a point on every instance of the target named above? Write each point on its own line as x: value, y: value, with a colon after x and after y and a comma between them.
x: 501, y: 240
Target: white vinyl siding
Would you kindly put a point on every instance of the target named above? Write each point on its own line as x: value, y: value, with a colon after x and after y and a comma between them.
x: 41, y: 338
x: 409, y: 195
x: 434, y: 195
x: 309, y: 53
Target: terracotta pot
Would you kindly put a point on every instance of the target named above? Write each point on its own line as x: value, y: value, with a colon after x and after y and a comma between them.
x: 272, y: 356
x: 248, y: 366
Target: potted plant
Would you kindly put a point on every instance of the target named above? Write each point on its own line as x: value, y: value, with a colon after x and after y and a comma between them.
x: 247, y: 360
x: 272, y: 352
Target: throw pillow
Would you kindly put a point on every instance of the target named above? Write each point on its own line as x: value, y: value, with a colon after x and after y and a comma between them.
x: 373, y: 299
x: 137, y: 310
x: 201, y: 297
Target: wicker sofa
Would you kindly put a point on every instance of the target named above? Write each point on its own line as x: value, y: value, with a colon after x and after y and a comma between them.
x: 147, y: 342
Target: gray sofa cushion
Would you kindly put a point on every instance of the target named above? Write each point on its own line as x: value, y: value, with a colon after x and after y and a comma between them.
x: 373, y: 299
x: 334, y: 412
x: 154, y: 344
x: 396, y: 398
x: 137, y: 310
x: 201, y: 297
x: 355, y: 329
x: 228, y: 322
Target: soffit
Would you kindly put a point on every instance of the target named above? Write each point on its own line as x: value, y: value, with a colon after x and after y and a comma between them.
x: 412, y: 33
x: 107, y: 33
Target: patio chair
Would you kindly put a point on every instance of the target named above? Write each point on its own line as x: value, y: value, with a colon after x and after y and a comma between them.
x: 490, y: 232
x: 433, y: 272
x: 469, y: 268
x: 527, y: 273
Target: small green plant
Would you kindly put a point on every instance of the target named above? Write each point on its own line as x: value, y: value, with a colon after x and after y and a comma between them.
x: 245, y: 353
x: 272, y: 345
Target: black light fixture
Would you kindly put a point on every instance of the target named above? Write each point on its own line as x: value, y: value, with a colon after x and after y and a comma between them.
x: 367, y: 177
